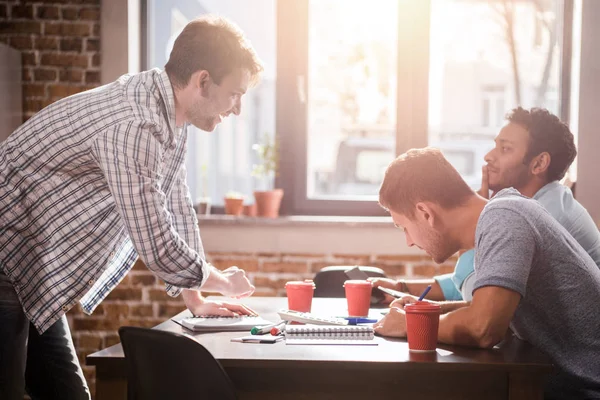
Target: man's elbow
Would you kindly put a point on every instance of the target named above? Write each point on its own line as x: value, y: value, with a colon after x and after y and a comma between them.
x: 488, y: 337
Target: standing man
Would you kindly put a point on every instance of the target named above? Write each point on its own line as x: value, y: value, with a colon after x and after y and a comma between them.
x: 96, y: 180
x: 530, y: 274
x: 532, y: 154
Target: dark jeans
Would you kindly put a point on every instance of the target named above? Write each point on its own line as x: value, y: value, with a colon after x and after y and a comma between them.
x: 45, y: 365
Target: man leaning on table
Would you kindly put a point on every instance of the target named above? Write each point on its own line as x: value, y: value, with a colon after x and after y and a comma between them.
x: 533, y: 152
x: 531, y: 275
x: 95, y: 180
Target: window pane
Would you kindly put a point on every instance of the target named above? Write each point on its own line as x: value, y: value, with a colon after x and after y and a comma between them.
x: 225, y: 154
x: 351, y: 96
x: 476, y: 76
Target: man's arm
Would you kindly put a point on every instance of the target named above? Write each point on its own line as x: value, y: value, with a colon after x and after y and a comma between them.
x: 484, y: 322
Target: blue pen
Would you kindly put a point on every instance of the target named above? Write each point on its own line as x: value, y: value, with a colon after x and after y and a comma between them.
x: 427, y: 289
x: 356, y: 321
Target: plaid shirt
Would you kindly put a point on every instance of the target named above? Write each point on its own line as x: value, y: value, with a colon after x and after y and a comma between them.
x: 89, y: 183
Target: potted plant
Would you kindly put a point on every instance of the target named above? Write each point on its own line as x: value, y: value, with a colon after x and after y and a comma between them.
x: 204, y: 203
x: 234, y: 203
x: 267, y: 201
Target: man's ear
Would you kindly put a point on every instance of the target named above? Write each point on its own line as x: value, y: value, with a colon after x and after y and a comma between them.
x: 425, y: 212
x: 540, y: 163
x: 201, y: 80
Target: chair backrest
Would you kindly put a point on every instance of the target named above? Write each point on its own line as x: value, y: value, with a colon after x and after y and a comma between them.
x: 329, y: 281
x: 166, y: 365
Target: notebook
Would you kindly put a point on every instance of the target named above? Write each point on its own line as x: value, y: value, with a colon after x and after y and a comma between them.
x: 222, y: 324
x: 330, y: 334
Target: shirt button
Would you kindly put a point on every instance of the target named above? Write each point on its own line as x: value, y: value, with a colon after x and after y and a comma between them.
x: 91, y: 282
x: 112, y: 254
x: 65, y: 308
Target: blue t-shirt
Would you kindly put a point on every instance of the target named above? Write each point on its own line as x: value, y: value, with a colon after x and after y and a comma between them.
x: 558, y: 200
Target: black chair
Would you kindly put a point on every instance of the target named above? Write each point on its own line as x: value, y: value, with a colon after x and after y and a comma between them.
x: 329, y: 281
x: 165, y: 365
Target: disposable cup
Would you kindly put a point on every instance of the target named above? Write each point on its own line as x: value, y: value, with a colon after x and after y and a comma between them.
x: 300, y: 295
x: 422, y: 322
x: 358, y: 295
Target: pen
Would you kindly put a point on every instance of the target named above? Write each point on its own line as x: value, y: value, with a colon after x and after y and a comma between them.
x: 427, y: 289
x: 356, y: 321
x: 261, y: 330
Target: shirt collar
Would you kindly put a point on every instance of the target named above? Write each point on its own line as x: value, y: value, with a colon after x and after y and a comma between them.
x: 166, y: 92
x: 545, y: 189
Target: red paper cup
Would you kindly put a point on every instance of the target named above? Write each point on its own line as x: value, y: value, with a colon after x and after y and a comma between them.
x: 358, y: 295
x: 300, y: 295
x: 422, y: 322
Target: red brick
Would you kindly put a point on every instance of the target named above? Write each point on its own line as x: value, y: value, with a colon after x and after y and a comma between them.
x: 427, y: 270
x: 92, y: 77
x: 125, y: 294
x: 116, y: 310
x: 111, y: 339
x: 75, y: 76
x: 89, y: 14
x: 231, y: 254
x: 71, y: 44
x: 143, y: 279
x: 402, y: 258
x: 141, y: 310
x: 92, y: 44
x: 262, y: 292
x: 47, y: 12
x: 248, y: 265
x: 304, y: 255
x: 159, y: 295
x: 146, y: 322
x: 89, y: 341
x: 44, y: 75
x: 22, y: 12
x: 61, y: 91
x: 28, y: 58
x: 34, y: 90
x: 292, y: 267
x: 317, y: 266
x: 392, y: 270
x: 21, y: 42
x: 26, y: 75
x: 65, y: 60
x: 265, y: 282
x: 89, y: 372
x: 66, y: 29
x: 96, y: 30
x: 359, y: 259
x: 167, y: 310
x: 139, y: 265
x: 32, y: 105
x: 22, y: 27
x: 447, y: 268
x: 46, y: 43
x: 97, y: 324
x: 70, y: 13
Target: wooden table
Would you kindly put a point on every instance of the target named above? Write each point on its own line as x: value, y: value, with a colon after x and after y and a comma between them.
x: 514, y: 370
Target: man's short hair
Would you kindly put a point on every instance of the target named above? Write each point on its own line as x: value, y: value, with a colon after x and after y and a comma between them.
x: 422, y: 175
x: 547, y: 133
x: 213, y: 44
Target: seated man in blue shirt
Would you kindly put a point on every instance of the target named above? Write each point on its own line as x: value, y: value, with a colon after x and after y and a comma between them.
x: 533, y: 152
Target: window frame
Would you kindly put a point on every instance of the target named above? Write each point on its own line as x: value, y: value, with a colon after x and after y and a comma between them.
x: 412, y: 98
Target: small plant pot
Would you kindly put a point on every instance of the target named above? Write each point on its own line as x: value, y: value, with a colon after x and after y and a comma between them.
x: 250, y: 210
x: 203, y: 207
x: 234, y: 206
x: 268, y: 203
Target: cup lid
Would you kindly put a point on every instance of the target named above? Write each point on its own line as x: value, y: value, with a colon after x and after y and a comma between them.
x: 357, y: 282
x: 301, y: 284
x: 422, y: 306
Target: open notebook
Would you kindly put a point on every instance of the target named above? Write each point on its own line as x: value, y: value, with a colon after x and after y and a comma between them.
x: 329, y: 334
x: 222, y: 324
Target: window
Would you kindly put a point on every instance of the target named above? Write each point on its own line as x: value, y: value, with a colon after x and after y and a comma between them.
x: 360, y: 82
x: 221, y: 161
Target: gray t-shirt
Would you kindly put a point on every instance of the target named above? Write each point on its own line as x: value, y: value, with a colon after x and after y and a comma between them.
x: 521, y: 247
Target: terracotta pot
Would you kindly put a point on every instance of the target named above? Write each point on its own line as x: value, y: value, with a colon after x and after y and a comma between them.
x: 203, y: 207
x: 250, y: 210
x: 234, y: 206
x: 268, y: 203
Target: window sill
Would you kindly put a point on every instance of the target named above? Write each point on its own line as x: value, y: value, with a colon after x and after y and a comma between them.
x: 297, y: 220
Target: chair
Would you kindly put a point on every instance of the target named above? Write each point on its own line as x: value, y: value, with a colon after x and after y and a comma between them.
x: 165, y: 365
x: 329, y: 281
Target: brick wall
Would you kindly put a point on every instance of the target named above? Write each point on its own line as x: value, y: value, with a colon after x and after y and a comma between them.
x: 140, y: 299
x: 60, y: 45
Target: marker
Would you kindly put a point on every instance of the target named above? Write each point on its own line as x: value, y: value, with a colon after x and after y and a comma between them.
x: 278, y: 329
x: 427, y: 289
x: 261, y: 330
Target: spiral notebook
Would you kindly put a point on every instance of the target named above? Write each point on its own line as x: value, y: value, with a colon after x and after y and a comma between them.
x: 330, y: 334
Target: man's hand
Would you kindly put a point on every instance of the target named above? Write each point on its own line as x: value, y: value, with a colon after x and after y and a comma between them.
x: 198, y: 305
x: 401, y: 302
x: 393, y: 324
x: 485, y: 183
x: 386, y: 283
x: 238, y: 284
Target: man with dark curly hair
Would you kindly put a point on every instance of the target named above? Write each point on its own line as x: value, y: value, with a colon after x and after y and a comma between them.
x: 533, y: 152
